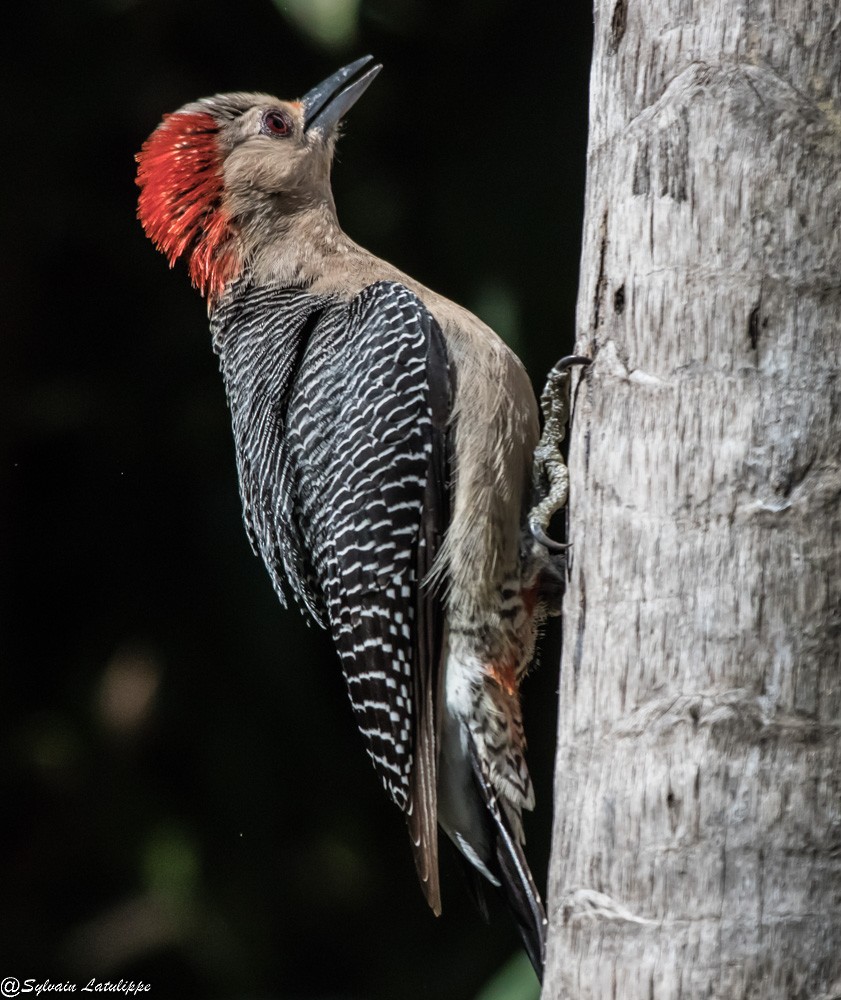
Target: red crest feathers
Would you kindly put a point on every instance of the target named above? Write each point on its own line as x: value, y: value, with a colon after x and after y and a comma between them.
x: 181, y: 199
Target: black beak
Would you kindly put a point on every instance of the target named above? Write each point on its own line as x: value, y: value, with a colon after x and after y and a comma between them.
x: 325, y: 104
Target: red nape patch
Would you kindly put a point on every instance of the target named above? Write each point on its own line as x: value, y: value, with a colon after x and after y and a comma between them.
x: 180, y: 206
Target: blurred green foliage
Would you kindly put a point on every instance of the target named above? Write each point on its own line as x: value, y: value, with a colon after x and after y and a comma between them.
x: 328, y: 23
x: 514, y: 981
x: 185, y: 797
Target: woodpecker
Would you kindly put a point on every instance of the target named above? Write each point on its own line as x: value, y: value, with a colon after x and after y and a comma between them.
x: 384, y: 440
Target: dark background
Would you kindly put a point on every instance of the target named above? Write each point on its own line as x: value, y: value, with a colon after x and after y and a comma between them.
x: 184, y: 797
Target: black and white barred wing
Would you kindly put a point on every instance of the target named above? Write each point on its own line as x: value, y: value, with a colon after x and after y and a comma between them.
x: 340, y: 416
x: 260, y: 335
x: 365, y: 422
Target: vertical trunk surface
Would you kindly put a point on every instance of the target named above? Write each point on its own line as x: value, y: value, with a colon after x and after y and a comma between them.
x: 697, y: 844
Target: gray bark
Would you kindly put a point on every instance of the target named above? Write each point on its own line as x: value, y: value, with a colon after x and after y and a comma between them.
x: 697, y: 841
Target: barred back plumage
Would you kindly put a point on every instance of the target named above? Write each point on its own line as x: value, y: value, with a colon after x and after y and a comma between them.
x: 336, y: 408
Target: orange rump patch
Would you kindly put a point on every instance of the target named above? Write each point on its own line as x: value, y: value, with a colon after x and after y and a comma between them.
x: 504, y: 675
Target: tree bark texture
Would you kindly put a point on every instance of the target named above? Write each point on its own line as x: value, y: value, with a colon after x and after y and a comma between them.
x: 697, y: 841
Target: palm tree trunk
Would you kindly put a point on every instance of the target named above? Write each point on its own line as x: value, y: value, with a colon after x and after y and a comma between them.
x: 697, y: 841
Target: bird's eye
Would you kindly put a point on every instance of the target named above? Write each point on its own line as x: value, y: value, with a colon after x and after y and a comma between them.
x: 276, y: 123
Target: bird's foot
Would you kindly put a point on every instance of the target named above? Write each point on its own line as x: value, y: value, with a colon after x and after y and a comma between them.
x: 550, y: 474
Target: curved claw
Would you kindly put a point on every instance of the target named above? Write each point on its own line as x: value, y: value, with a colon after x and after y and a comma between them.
x: 569, y: 361
x: 543, y: 539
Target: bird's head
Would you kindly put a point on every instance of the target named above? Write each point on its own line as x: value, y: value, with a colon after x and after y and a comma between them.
x: 215, y: 171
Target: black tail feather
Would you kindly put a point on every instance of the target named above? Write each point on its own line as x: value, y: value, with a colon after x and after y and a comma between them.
x: 477, y: 888
x: 522, y: 897
x: 509, y: 865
